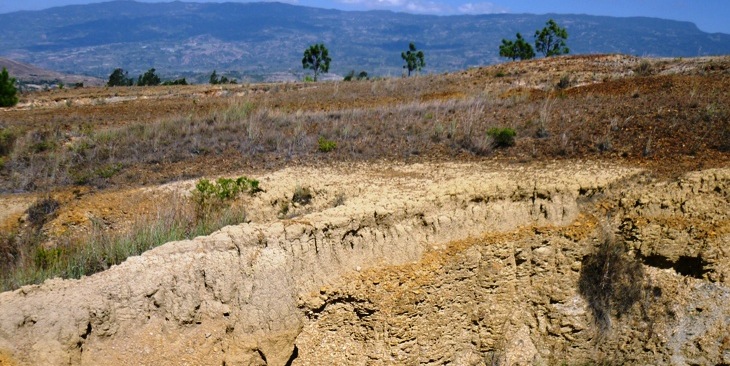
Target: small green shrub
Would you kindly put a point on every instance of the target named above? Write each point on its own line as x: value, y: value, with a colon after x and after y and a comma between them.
x: 209, y: 197
x: 502, y: 137
x: 324, y: 145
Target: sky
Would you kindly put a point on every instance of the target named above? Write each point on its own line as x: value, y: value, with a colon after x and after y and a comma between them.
x: 709, y: 15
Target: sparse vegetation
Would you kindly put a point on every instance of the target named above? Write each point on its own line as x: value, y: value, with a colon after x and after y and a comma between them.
x: 611, y: 282
x: 317, y: 59
x: 25, y: 260
x: 167, y: 135
x: 8, y: 91
x: 644, y: 68
x: 414, y: 59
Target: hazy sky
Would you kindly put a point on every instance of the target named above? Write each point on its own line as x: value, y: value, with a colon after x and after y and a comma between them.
x: 709, y: 15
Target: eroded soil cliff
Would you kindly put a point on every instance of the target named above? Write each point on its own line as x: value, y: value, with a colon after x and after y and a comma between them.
x: 422, y: 264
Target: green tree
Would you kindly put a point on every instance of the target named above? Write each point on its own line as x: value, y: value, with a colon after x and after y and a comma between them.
x: 550, y: 41
x: 214, y: 78
x: 8, y: 92
x: 516, y: 49
x: 414, y: 59
x: 119, y: 77
x: 317, y: 59
x: 149, y: 78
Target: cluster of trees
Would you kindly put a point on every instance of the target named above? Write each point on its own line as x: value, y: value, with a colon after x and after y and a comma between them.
x: 8, y: 91
x: 119, y: 77
x: 550, y: 41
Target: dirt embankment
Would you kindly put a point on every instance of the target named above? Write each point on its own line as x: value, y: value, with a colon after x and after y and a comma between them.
x: 402, y: 264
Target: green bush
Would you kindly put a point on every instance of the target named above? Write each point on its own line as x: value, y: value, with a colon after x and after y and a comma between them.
x: 324, y: 145
x: 502, y: 137
x: 209, y: 197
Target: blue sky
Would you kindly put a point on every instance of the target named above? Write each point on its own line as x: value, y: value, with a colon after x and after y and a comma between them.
x: 709, y: 15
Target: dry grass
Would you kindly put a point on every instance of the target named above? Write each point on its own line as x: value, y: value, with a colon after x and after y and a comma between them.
x: 28, y: 258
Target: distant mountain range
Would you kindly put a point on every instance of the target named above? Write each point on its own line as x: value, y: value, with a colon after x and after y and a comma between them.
x: 266, y: 40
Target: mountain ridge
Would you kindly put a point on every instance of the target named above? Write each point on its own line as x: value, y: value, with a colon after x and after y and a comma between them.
x: 256, y: 39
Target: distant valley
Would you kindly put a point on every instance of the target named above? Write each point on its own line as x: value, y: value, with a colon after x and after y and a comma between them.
x: 264, y: 41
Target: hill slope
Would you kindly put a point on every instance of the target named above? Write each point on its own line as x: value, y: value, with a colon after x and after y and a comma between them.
x: 29, y: 74
x: 265, y: 38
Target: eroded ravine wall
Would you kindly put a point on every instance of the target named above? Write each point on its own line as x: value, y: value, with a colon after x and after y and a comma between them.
x: 244, y: 295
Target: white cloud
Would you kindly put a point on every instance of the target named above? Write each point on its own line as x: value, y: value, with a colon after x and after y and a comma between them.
x: 480, y: 8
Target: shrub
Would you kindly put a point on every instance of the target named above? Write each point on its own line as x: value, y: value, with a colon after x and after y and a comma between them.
x: 209, y: 197
x: 302, y: 195
x: 502, y: 137
x: 564, y: 82
x: 41, y: 211
x: 324, y: 145
x: 7, y: 140
x: 363, y: 75
x: 644, y: 68
x: 611, y: 282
